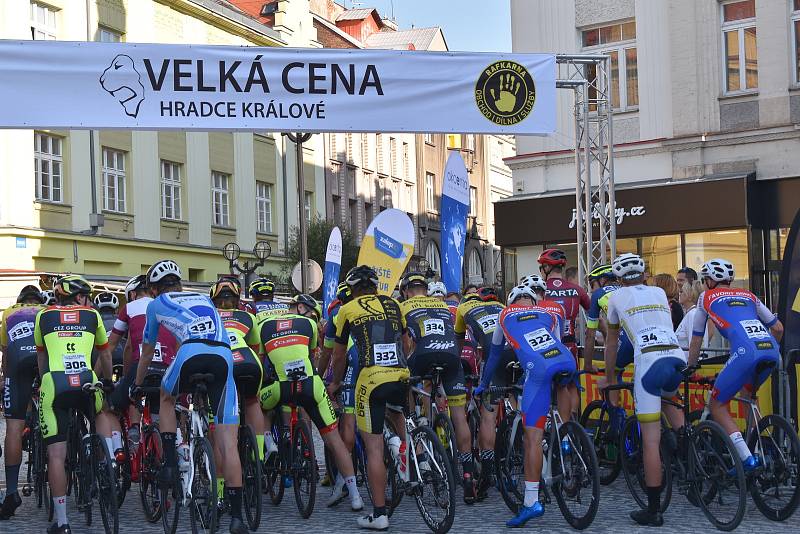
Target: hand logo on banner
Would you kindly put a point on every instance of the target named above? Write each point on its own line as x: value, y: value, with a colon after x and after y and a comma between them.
x: 387, y: 247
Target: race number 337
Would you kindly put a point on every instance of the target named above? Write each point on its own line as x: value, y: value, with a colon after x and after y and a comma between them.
x: 488, y: 323
x: 385, y: 354
x: 202, y: 326
x: 74, y: 364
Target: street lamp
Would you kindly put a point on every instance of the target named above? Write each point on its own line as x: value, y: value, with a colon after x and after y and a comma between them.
x: 232, y: 251
x: 425, y: 266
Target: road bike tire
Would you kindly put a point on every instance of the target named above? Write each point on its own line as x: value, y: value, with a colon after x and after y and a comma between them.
x: 596, y: 419
x: 780, y: 469
x: 632, y: 465
x: 573, y: 472
x: 443, y: 426
x: 359, y: 458
x: 170, y: 505
x: 712, y: 457
x: 203, y: 504
x: 251, y: 477
x: 304, y: 469
x: 274, y: 468
x: 149, y: 464
x: 41, y: 488
x: 437, y: 479
x: 123, y: 472
x: 105, y: 484
x: 509, y: 464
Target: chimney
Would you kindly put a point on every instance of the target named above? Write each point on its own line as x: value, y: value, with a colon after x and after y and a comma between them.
x: 389, y: 25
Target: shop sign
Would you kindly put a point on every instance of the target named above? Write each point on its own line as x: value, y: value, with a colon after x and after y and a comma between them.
x: 619, y: 213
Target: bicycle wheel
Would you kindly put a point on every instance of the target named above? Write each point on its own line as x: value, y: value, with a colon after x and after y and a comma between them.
x: 632, y: 465
x: 304, y: 469
x: 775, y: 488
x: 509, y: 463
x: 170, y: 505
x: 443, y: 426
x: 435, y: 492
x: 203, y: 505
x: 474, y: 422
x: 149, y: 464
x: 251, y: 476
x: 596, y: 419
x: 105, y: 485
x: 393, y: 493
x: 40, y: 484
x: 716, y: 476
x: 576, y: 479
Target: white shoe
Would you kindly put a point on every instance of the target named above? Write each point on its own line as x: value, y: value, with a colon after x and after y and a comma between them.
x: 357, y: 503
x: 271, y: 448
x: 374, y: 523
x: 337, y: 495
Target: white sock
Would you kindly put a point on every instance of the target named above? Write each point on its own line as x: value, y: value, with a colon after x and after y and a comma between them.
x: 116, y: 439
x: 110, y: 447
x: 352, y: 488
x: 178, y: 436
x: 269, y: 440
x: 60, y: 508
x: 741, y: 446
x: 531, y: 493
x: 339, y: 481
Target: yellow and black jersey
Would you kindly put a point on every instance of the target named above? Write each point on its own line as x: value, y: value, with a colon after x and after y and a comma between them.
x: 68, y: 334
x: 376, y: 325
x: 430, y: 325
x: 241, y: 328
x: 481, y: 318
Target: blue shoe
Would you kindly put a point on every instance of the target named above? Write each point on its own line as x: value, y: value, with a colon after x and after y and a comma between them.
x: 750, y: 464
x: 566, y: 447
x: 525, y: 514
x: 287, y: 482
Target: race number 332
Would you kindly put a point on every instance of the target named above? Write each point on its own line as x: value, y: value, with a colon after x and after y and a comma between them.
x: 385, y: 354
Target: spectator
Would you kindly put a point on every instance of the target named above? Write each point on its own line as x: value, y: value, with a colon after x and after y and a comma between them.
x: 686, y: 274
x: 470, y: 289
x: 670, y: 287
x: 689, y: 293
x: 571, y: 275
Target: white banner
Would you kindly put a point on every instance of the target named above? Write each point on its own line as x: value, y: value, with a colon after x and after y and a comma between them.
x: 58, y: 84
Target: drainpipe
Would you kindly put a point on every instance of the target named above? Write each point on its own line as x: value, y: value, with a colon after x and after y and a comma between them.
x: 95, y: 219
x: 285, y: 200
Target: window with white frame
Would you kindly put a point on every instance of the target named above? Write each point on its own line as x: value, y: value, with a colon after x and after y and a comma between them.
x: 365, y: 159
x: 379, y: 153
x: 106, y: 35
x: 473, y: 201
x: 428, y: 138
x: 430, y: 199
x: 220, y: 198
x: 405, y: 165
x: 114, y: 180
x: 739, y: 38
x: 47, y: 164
x: 43, y: 22
x: 432, y: 255
x: 170, y: 190
x: 796, y: 33
x: 469, y: 142
x: 619, y: 42
x: 393, y: 156
x: 475, y: 268
x: 308, y: 202
x: 264, y: 206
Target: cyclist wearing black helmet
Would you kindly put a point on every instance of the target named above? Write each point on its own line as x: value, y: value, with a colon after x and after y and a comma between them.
x: 262, y: 291
x: 376, y: 325
x: 19, y: 368
x: 603, y: 283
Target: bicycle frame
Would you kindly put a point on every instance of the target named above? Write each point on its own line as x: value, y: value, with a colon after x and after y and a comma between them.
x: 198, y: 429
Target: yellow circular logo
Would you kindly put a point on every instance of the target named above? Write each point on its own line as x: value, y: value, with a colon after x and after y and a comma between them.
x: 505, y: 93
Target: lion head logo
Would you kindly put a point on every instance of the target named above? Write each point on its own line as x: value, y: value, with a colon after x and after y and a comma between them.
x: 122, y: 81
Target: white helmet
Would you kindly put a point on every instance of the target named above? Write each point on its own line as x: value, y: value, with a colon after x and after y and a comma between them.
x: 534, y: 282
x: 134, y: 283
x: 161, y: 269
x: 106, y: 300
x: 437, y: 289
x: 522, y: 291
x: 628, y: 266
x: 718, y: 269
x: 49, y: 297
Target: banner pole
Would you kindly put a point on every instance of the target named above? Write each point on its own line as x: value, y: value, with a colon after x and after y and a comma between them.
x: 299, y: 139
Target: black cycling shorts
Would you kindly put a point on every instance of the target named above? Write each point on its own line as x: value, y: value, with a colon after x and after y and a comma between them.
x: 18, y: 389
x: 503, y: 375
x: 247, y: 364
x: 452, y: 376
x: 119, y: 401
x: 59, y: 394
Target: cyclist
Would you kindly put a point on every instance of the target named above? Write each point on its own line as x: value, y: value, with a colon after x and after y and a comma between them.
x: 534, y: 332
x: 19, y: 370
x: 203, y: 348
x: 644, y: 313
x: 430, y: 340
x: 477, y: 315
x: 65, y: 336
x: 754, y: 334
x: 262, y: 291
x: 107, y: 304
x: 49, y: 297
x: 288, y: 342
x: 603, y: 283
x: 248, y: 372
x: 376, y: 325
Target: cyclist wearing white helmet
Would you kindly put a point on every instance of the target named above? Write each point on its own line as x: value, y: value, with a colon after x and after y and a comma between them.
x: 437, y: 289
x: 644, y: 313
x: 49, y: 297
x: 107, y: 304
x: 754, y: 334
x: 204, y: 348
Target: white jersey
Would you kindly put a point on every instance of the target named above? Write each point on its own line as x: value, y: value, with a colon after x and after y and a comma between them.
x: 644, y: 313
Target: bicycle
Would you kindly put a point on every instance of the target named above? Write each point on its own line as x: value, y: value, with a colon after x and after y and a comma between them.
x: 358, y: 455
x: 33, y: 444
x: 438, y: 419
x: 701, y: 460
x: 196, y: 485
x: 251, y: 465
x: 603, y: 423
x: 569, y: 461
x: 146, y: 460
x: 773, y: 440
x: 429, y: 474
x: 295, y: 457
x: 91, y: 472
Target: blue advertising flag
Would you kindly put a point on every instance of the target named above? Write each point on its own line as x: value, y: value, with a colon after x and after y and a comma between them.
x: 455, y: 206
x: 333, y: 264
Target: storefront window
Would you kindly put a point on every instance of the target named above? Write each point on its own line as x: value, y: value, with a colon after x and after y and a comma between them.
x: 661, y: 254
x: 509, y: 268
x: 728, y: 244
